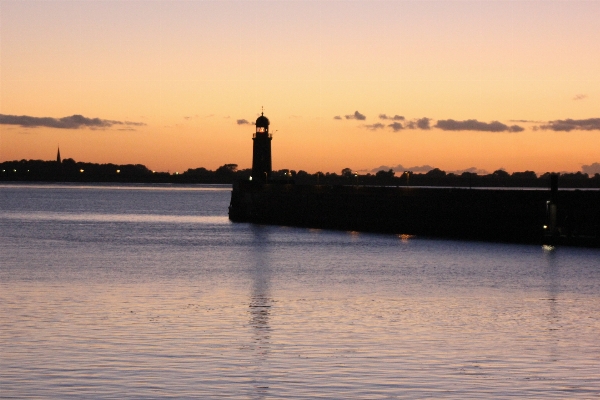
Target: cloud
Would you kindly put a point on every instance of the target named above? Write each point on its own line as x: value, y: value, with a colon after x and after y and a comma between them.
x: 474, y: 125
x: 591, y: 169
x: 73, y: 122
x: 394, y: 118
x: 242, y: 122
x: 423, y: 123
x: 337, y: 117
x: 421, y: 169
x: 472, y: 170
x: 384, y: 168
x: 516, y: 128
x: 357, y: 116
x: 580, y: 96
x: 400, y: 168
x: 374, y: 127
x: 567, y: 125
x: 396, y: 126
x: 130, y: 123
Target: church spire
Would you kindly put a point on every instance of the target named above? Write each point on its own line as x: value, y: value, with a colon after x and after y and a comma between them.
x: 58, y: 160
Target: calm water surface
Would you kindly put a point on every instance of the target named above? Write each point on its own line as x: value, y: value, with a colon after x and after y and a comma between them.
x: 150, y: 292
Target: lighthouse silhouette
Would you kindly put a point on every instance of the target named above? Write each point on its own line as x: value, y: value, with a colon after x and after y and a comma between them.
x: 261, y: 151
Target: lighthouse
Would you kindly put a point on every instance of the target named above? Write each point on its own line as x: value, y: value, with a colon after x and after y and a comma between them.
x: 261, y: 150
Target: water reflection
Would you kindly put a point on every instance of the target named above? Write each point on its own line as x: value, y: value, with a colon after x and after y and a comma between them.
x: 552, y: 278
x: 260, y: 303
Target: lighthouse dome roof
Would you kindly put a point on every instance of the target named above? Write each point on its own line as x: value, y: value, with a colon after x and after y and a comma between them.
x: 262, y: 121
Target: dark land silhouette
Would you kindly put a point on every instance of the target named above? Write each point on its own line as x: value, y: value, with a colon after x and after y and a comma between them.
x: 68, y: 170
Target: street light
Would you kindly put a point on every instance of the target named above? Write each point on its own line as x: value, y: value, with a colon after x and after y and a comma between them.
x: 407, y: 173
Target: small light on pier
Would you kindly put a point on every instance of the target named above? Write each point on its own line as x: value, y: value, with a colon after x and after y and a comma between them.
x: 405, y: 237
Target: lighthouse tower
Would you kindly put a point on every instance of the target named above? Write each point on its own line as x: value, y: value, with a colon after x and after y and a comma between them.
x: 261, y: 152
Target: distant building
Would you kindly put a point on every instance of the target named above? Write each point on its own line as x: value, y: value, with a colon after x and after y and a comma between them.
x: 261, y: 154
x: 58, y: 160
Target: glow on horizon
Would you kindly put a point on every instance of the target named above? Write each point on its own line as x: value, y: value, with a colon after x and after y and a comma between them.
x: 188, y: 70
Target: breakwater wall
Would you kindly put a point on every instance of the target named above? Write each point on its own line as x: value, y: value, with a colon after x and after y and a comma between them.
x: 502, y: 215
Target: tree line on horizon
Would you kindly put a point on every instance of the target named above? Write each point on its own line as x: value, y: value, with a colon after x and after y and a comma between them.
x: 71, y: 171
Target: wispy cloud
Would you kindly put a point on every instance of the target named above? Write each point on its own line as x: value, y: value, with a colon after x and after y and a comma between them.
x: 474, y: 125
x: 242, y: 122
x: 394, y: 118
x: 357, y: 116
x: 420, y: 168
x: 375, y: 126
x: 580, y: 96
x: 400, y: 168
x: 472, y: 170
x: 337, y: 117
x: 421, y: 123
x: 73, y: 122
x: 567, y: 125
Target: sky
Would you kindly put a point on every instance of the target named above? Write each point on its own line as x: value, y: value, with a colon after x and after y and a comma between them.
x: 457, y: 85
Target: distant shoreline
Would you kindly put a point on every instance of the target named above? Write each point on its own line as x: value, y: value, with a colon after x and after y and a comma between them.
x: 70, y: 171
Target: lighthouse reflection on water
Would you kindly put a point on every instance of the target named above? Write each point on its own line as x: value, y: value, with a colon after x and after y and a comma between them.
x: 259, y: 307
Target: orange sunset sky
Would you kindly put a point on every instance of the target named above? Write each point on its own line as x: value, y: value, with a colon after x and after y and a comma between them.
x: 357, y: 84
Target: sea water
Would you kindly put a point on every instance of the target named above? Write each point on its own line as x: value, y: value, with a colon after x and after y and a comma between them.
x: 147, y: 291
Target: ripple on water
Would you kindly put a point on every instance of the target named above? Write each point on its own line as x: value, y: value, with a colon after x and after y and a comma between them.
x: 138, y: 302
